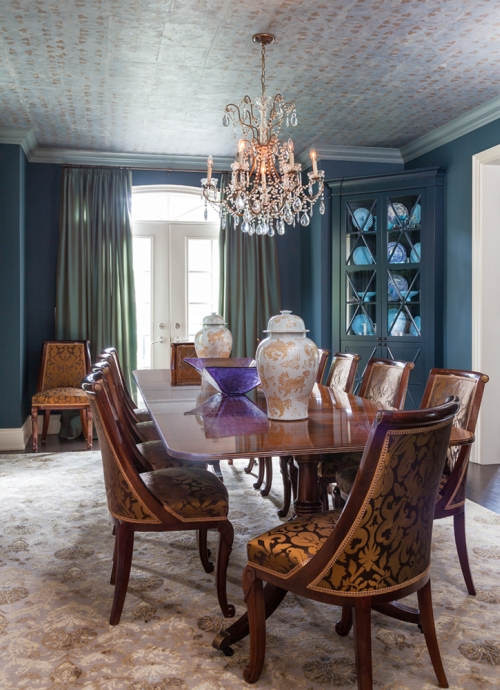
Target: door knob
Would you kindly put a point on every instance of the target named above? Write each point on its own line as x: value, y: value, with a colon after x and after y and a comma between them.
x: 177, y: 326
x: 161, y: 339
x: 161, y: 325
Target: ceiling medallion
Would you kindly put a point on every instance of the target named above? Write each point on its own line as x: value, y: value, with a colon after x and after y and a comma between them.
x: 266, y: 189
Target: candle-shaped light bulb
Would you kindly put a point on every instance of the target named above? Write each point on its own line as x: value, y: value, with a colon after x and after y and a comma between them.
x: 314, y: 156
x: 263, y: 174
x: 291, y: 158
x: 241, y: 148
x: 210, y: 163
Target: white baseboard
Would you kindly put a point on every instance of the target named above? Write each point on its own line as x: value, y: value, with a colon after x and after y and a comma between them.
x: 16, y: 439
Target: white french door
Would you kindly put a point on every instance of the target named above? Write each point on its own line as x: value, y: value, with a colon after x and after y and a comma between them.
x: 176, y: 269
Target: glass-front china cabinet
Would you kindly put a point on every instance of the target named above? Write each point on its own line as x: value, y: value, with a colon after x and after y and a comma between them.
x: 387, y: 270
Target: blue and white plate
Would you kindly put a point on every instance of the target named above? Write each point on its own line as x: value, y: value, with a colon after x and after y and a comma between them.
x: 418, y: 330
x: 399, y: 281
x: 395, y: 211
x: 396, y: 322
x: 358, y: 325
x: 416, y: 216
x: 362, y: 255
x: 416, y: 253
x: 363, y: 219
x: 396, y: 253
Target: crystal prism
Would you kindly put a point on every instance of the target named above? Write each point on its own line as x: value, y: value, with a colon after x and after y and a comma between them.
x: 245, y: 227
x: 304, y: 220
x: 225, y: 120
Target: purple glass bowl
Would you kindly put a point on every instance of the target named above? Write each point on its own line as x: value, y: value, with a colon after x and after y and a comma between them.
x: 234, y: 415
x: 200, y: 363
x: 233, y: 380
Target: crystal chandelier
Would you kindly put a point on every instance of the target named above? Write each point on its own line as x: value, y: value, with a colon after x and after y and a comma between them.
x: 266, y: 189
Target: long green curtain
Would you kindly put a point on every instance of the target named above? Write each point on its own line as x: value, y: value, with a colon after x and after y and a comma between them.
x: 95, y: 278
x: 249, y: 284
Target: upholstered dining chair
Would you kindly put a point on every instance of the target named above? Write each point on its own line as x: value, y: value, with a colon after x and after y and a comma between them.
x: 172, y: 499
x: 287, y: 468
x: 347, y: 559
x: 110, y: 354
x: 384, y: 381
x: 343, y: 371
x: 147, y: 455
x: 468, y: 387
x: 63, y: 365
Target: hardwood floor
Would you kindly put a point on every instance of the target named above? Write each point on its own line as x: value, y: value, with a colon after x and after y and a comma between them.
x: 483, y: 482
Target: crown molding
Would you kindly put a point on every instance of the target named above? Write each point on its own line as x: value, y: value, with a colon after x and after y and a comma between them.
x: 463, y: 124
x: 362, y: 154
x: 150, y: 161
x: 23, y: 137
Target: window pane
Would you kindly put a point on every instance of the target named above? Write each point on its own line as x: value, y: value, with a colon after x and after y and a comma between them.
x: 196, y: 312
x: 200, y: 287
x: 150, y: 206
x: 142, y: 252
x: 199, y: 255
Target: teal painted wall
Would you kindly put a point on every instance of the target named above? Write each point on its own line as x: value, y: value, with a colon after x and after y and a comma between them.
x: 456, y: 157
x: 13, y: 316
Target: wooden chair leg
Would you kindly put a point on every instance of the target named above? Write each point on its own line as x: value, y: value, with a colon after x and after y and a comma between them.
x: 34, y: 429
x: 216, y: 469
x: 46, y: 420
x: 323, y: 493
x: 429, y: 630
x: 124, y: 550
x: 204, y: 552
x: 230, y: 461
x: 287, y: 487
x: 338, y: 501
x: 226, y: 536
x: 250, y: 465
x: 112, y: 579
x: 460, y: 541
x: 363, y: 644
x: 254, y: 599
x: 260, y: 476
x: 90, y: 429
x: 293, y: 473
x: 344, y: 625
x: 268, y: 476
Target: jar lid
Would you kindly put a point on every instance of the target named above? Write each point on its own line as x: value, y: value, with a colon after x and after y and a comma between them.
x: 213, y: 319
x: 286, y: 322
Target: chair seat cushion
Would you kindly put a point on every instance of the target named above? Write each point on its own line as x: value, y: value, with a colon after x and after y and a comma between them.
x: 190, y: 494
x: 287, y: 548
x: 345, y: 479
x: 60, y: 396
x: 331, y: 464
x: 157, y: 456
x: 142, y: 415
x: 148, y: 430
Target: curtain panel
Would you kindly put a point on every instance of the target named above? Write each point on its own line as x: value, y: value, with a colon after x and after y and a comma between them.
x: 249, y: 284
x: 95, y: 280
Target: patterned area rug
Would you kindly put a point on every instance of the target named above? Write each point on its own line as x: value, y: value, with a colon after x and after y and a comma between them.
x: 55, y: 599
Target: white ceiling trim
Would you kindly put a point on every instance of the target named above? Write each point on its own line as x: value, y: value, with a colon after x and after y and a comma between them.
x: 468, y: 122
x: 363, y: 154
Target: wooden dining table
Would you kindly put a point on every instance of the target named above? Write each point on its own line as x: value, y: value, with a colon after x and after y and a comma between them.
x: 199, y: 424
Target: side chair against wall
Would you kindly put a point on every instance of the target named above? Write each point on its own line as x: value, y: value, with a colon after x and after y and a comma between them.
x: 63, y: 365
x: 287, y: 468
x: 350, y: 562
x: 384, y: 381
x: 173, y: 499
x: 468, y: 387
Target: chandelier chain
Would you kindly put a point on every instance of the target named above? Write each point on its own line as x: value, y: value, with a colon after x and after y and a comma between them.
x: 263, y: 74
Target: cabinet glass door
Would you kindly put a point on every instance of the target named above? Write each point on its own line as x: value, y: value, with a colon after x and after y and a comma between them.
x: 360, y: 289
x: 404, y: 255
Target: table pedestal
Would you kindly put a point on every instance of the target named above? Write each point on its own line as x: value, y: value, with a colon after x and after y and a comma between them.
x: 307, y: 501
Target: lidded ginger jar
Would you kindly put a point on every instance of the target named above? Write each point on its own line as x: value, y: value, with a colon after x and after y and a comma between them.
x: 287, y: 362
x: 214, y: 339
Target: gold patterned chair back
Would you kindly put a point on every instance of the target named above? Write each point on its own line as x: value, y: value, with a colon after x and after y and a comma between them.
x: 64, y: 364
x: 386, y: 382
x: 128, y: 498
x: 383, y: 537
x: 343, y: 371
x: 468, y: 387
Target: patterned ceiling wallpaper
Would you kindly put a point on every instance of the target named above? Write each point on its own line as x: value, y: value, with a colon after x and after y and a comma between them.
x: 153, y: 76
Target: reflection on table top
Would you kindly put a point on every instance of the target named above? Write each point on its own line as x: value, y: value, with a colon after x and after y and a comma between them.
x: 196, y: 423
